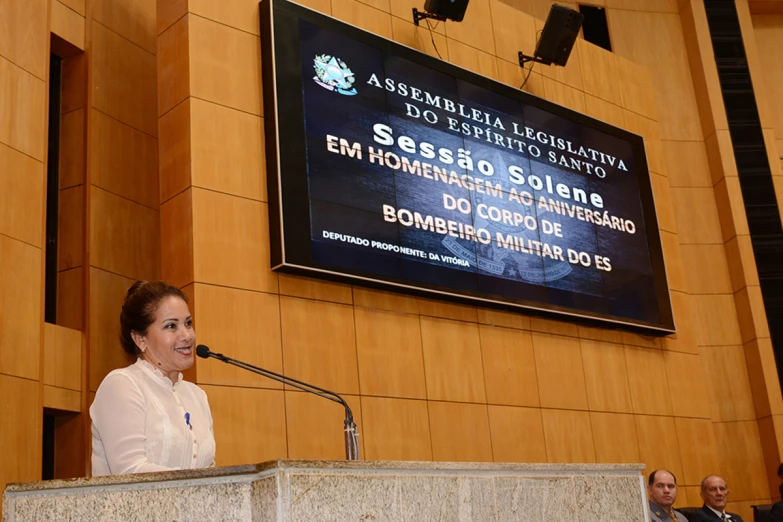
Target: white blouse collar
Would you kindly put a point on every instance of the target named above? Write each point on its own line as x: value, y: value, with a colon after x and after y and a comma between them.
x: 158, y: 375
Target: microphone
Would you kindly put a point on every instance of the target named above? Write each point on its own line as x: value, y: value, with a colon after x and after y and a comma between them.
x: 351, y: 433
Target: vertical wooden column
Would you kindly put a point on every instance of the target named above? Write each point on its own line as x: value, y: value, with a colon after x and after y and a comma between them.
x: 123, y: 224
x: 752, y: 331
x: 24, y: 66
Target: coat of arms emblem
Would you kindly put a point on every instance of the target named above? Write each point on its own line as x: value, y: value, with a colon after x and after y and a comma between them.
x: 333, y: 74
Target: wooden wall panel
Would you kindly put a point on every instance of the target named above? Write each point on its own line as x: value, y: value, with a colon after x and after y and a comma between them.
x: 249, y: 424
x: 419, y: 38
x: 124, y: 236
x: 389, y: 353
x: 687, y: 386
x: 452, y: 361
x: 73, y: 134
x: 697, y: 449
x: 432, y: 308
x: 131, y: 19
x: 564, y: 95
x: 707, y: 269
x: 76, y: 5
x: 319, y: 344
x: 460, y: 432
x: 315, y: 426
x: 716, y: 320
x: 364, y: 16
x: 635, y: 93
x: 720, y: 155
x: 663, y: 203
x: 62, y: 357
x: 472, y: 31
x: 225, y: 65
x: 61, y: 399
x: 107, y: 292
x: 21, y: 179
x: 227, y: 153
x: 742, y: 460
x: 70, y: 298
x: 651, y: 430
x: 472, y: 59
x: 561, y: 378
x: 309, y: 288
x: 728, y: 198
x: 169, y: 12
x: 175, y: 150
x: 656, y: 40
x: 70, y: 234
x: 20, y: 308
x: 615, y: 437
x: 68, y: 25
x: 238, y: 259
x: 124, y: 80
x: 514, y: 31
x: 173, y: 66
x: 733, y: 400
x: 243, y: 14
x: 504, y: 319
x: 606, y: 376
x: 21, y: 459
x: 568, y: 435
x: 23, y: 109
x: 23, y: 26
x: 124, y: 161
x: 395, y: 429
x: 74, y: 83
x: 675, y: 269
x: 649, y: 130
x: 243, y: 325
x: 697, y: 216
x: 763, y: 377
x: 176, y: 235
x: 599, y: 72
x: 366, y: 298
x: 517, y: 434
x: 604, y: 111
x: 687, y: 164
x: 509, y: 366
x: 642, y: 364
x: 768, y: 31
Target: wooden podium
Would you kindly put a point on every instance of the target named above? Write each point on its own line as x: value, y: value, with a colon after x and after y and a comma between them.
x: 314, y: 491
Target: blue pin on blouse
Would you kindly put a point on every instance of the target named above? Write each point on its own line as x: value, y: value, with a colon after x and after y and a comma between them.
x: 187, y: 420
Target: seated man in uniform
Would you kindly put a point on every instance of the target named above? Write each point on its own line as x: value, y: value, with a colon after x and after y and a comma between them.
x: 662, y: 488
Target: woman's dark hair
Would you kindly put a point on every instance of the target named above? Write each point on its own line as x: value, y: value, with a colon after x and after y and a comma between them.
x: 138, y: 310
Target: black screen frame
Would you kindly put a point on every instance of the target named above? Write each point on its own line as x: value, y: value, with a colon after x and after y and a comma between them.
x: 289, y: 210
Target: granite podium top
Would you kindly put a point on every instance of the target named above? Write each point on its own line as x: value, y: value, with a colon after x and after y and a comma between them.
x: 334, y: 466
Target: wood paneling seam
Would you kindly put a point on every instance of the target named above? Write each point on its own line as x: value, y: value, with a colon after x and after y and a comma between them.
x: 123, y: 37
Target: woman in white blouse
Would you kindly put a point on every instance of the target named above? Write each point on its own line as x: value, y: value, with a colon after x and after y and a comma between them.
x: 145, y: 417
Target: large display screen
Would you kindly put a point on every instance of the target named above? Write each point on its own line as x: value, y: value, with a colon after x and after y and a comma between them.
x: 389, y: 167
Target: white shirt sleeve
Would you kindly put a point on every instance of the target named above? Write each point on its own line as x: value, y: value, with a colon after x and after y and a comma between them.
x: 119, y: 415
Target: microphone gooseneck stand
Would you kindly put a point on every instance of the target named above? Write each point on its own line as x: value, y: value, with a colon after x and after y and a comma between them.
x: 351, y: 433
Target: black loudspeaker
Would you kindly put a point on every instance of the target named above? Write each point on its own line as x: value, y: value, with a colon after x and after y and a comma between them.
x: 447, y: 9
x: 558, y: 36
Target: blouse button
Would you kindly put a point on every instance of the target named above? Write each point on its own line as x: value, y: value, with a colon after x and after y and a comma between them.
x: 194, y: 455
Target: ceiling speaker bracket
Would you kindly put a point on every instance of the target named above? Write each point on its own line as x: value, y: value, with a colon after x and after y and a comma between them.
x: 524, y: 58
x: 421, y: 15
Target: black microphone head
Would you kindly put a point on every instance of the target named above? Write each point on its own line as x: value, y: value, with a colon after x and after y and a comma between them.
x: 202, y: 351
